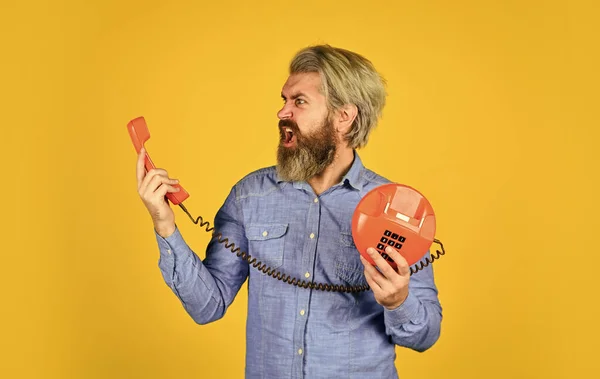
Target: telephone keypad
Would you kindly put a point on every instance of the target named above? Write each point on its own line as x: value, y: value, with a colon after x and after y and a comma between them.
x: 392, y: 239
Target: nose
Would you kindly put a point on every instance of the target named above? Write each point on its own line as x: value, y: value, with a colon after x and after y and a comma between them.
x: 285, y: 112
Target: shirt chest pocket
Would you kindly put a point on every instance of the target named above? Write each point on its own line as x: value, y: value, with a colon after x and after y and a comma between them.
x: 266, y: 243
x: 348, y: 266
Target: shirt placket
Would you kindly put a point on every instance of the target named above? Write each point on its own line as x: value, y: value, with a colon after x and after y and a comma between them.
x: 303, y: 300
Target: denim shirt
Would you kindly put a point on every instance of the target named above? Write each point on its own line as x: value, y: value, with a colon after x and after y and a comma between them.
x: 295, y: 332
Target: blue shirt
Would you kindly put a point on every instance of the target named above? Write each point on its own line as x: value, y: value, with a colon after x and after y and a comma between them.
x: 297, y: 332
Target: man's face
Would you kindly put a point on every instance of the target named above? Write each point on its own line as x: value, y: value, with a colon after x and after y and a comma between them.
x: 308, y: 139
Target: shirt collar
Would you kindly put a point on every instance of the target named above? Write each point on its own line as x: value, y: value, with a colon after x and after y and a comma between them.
x: 354, y: 176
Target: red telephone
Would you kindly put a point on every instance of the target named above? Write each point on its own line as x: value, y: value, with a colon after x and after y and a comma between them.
x: 139, y: 133
x: 394, y: 215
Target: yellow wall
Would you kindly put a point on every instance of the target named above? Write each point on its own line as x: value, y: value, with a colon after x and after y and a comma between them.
x: 492, y: 113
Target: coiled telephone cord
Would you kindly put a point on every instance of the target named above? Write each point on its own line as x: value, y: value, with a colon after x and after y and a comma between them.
x: 295, y: 281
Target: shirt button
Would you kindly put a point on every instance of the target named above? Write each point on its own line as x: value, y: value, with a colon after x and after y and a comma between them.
x: 316, y: 200
x: 312, y: 235
x: 265, y: 233
x: 169, y: 251
x: 307, y: 275
x: 302, y: 312
x: 299, y: 351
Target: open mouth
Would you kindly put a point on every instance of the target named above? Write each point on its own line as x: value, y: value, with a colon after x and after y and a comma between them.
x: 287, y: 136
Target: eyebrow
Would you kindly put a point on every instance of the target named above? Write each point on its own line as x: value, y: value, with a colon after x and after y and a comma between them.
x: 295, y: 96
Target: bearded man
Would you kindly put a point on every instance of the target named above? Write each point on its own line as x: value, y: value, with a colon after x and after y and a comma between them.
x: 295, y: 219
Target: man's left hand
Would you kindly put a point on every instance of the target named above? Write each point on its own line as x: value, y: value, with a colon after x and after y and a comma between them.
x: 389, y: 286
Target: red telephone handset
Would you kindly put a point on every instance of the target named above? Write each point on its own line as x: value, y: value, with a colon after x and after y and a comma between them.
x: 139, y: 133
x: 394, y: 215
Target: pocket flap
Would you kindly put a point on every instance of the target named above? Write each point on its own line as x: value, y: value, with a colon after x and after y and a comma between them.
x: 262, y: 232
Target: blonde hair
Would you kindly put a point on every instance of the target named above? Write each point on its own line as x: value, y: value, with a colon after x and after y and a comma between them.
x: 347, y: 78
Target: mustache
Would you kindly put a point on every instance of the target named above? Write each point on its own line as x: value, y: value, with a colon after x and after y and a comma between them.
x: 289, y: 124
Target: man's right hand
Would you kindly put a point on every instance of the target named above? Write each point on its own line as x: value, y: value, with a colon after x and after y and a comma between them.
x: 152, y: 188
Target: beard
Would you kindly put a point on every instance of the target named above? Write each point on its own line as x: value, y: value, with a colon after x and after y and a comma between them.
x: 311, y: 155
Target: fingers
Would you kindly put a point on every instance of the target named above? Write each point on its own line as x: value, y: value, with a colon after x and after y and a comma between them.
x: 382, y: 264
x: 386, y: 274
x: 374, y: 278
x: 156, y: 182
x: 401, y: 263
x: 153, y: 181
x: 158, y: 177
x: 163, y: 189
x: 140, y: 171
x: 390, y: 287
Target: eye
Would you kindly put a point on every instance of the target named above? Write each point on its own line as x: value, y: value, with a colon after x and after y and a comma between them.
x: 300, y: 101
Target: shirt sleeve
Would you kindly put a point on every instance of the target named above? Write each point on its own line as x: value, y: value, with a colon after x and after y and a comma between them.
x: 206, y: 288
x: 416, y: 323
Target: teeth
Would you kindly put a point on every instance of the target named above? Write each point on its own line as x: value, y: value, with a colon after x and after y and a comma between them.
x: 288, y: 130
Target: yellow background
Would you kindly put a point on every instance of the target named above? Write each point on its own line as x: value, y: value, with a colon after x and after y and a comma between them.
x: 492, y: 113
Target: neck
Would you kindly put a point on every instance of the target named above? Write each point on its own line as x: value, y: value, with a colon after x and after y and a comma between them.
x: 334, y: 172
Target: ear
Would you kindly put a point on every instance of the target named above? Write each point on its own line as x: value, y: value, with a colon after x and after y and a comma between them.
x: 345, y: 117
